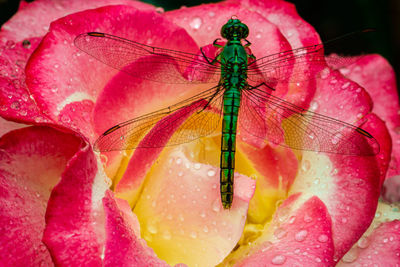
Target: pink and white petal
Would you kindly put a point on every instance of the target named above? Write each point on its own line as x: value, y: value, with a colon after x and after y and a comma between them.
x: 375, y: 74
x: 74, y: 232
x: 380, y: 244
x: 298, y: 235
x: 16, y: 101
x: 57, y: 65
x: 7, y: 126
x: 124, y: 247
x: 32, y: 160
x: 349, y: 189
x: 181, y: 214
x: 33, y: 19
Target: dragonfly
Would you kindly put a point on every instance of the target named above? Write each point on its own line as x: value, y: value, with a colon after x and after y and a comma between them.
x: 243, y: 95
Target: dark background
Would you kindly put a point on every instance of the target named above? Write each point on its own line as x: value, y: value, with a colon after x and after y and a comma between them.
x: 330, y: 18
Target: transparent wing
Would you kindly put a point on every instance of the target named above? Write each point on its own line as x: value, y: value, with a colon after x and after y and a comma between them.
x: 183, y: 122
x: 273, y: 119
x: 290, y: 66
x: 156, y: 64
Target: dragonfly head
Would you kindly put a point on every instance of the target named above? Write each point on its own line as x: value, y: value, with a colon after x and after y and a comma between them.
x: 234, y: 29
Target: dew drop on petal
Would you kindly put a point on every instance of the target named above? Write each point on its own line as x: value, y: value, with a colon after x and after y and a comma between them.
x: 195, y: 23
x: 363, y: 242
x: 323, y: 238
x: 166, y: 235
x: 193, y: 235
x: 279, y: 233
x: 197, y: 166
x: 350, y: 256
x: 345, y: 85
x: 211, y: 173
x: 301, y: 235
x: 278, y: 260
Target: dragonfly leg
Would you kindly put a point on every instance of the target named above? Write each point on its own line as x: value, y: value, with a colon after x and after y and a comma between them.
x: 206, y: 58
x: 211, y: 99
x: 217, y: 45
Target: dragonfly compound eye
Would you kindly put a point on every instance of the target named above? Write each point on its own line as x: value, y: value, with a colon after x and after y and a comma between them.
x: 234, y: 28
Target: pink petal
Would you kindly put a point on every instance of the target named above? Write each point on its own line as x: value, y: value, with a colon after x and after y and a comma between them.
x: 124, y: 247
x: 181, y: 214
x: 380, y: 244
x: 299, y: 235
x: 381, y: 248
x: 59, y: 74
x: 16, y: 101
x: 349, y: 189
x: 7, y: 126
x: 33, y: 19
x: 31, y: 162
x: 74, y: 232
x: 375, y: 74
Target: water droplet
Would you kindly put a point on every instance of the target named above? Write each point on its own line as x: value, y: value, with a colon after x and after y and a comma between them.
x: 152, y: 228
x: 307, y: 218
x: 301, y: 235
x: 313, y: 105
x: 345, y: 85
x: 193, y: 234
x: 323, y: 238
x: 180, y: 173
x: 325, y: 73
x: 216, y: 206
x: 279, y: 233
x: 211, y: 173
x: 297, y: 251
x: 278, y: 260
x: 350, y: 256
x: 205, y: 229
x: 363, y: 242
x: 211, y: 14
x: 258, y: 35
x: 336, y: 138
x: 305, y: 166
x: 385, y: 240
x: 166, y: 235
x: 196, y: 23
x: 15, y: 105
x: 197, y: 166
x: 316, y: 181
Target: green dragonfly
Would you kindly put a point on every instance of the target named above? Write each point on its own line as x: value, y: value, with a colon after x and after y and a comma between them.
x: 243, y: 95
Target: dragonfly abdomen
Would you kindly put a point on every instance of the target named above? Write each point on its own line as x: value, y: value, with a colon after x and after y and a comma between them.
x: 228, y: 145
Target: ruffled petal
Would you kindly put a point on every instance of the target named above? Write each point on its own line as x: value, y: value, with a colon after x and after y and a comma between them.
x: 380, y: 244
x: 299, y: 235
x: 74, y: 232
x: 124, y: 247
x: 33, y: 19
x: 32, y: 160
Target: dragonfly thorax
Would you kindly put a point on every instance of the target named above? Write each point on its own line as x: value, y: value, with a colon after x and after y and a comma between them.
x: 234, y: 29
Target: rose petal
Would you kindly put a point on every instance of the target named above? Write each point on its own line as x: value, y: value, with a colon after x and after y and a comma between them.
x: 186, y: 220
x: 31, y: 162
x: 380, y: 244
x: 16, y: 101
x: 299, y: 235
x: 346, y: 186
x: 124, y: 247
x: 7, y: 126
x: 374, y: 73
x: 74, y: 232
x: 58, y: 66
x: 33, y: 19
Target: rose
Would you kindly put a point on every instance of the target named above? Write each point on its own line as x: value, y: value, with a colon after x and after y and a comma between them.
x: 328, y: 201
